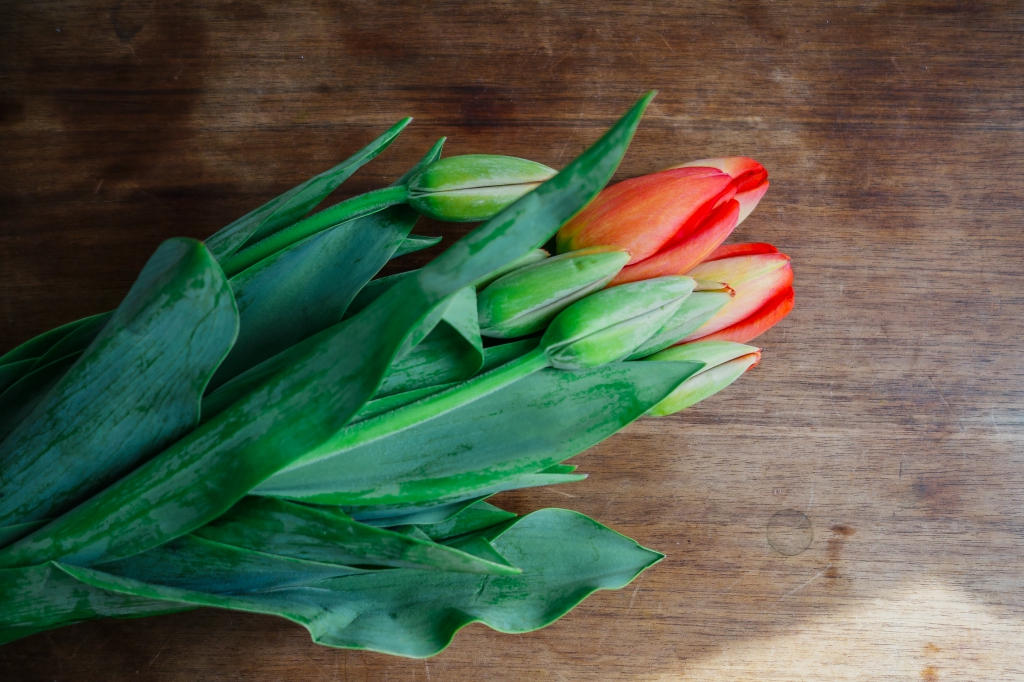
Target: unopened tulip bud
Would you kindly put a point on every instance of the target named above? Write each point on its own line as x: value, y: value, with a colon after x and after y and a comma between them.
x: 609, y: 325
x: 473, y: 187
x: 669, y: 221
x: 724, y: 362
x: 525, y: 300
x: 763, y: 281
x: 706, y: 300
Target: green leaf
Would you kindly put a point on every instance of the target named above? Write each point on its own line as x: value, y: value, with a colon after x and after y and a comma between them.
x: 14, y: 370
x: 284, y: 210
x: 306, y: 288
x: 387, y: 516
x: 495, y: 356
x: 414, y: 243
x: 483, y: 447
x: 37, y: 346
x: 9, y: 534
x: 206, y: 472
x: 40, y: 597
x: 476, y: 517
x: 43, y: 597
x: 194, y: 562
x: 135, y: 390
x: 374, y: 289
x: 359, y: 206
x: 286, y: 529
x: 18, y: 401
x: 381, y: 405
x: 35, y: 376
x: 350, y: 209
x: 564, y: 556
x: 77, y: 340
x: 452, y: 352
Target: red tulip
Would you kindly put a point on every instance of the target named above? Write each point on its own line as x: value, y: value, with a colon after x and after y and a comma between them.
x: 669, y: 221
x: 763, y: 281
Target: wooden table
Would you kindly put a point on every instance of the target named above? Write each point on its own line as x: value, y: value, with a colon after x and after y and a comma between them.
x: 887, y: 411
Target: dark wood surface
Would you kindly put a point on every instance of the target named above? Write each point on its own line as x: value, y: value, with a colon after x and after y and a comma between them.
x: 888, y: 406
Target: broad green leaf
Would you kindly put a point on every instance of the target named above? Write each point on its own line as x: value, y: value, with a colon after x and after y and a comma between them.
x: 286, y: 529
x: 9, y: 534
x: 43, y: 597
x: 387, y: 516
x: 284, y: 210
x: 483, y: 446
x: 381, y: 405
x: 477, y: 546
x: 18, y: 401
x: 77, y: 340
x: 414, y: 243
x: 495, y: 356
x: 344, y: 211
x: 135, y: 390
x: 444, y: 357
x: 459, y: 491
x: 277, y: 209
x: 452, y: 352
x: 202, y: 475
x: 374, y: 289
x: 476, y: 517
x: 306, y: 288
x: 196, y: 563
x: 12, y: 371
x: 565, y: 557
x: 360, y: 206
x: 34, y: 377
x: 37, y: 346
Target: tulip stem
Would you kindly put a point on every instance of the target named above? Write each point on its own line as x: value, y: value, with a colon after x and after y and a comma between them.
x: 350, y: 209
x: 432, y: 406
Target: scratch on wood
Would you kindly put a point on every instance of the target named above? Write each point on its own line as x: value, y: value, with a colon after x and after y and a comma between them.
x: 800, y: 587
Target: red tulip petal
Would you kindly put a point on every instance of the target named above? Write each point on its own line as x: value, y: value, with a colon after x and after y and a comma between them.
x: 756, y: 280
x: 735, y: 166
x: 761, y: 321
x: 748, y: 200
x: 746, y: 173
x: 746, y: 249
x: 643, y: 214
x: 750, y: 179
x: 736, y: 270
x: 679, y: 257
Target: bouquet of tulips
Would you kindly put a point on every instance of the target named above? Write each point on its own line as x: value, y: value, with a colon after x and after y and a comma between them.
x: 263, y: 426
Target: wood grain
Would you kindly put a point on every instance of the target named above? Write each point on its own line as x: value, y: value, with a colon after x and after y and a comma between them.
x: 888, y: 408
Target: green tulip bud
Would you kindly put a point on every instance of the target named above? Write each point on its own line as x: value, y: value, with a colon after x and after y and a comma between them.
x: 473, y: 187
x: 607, y: 326
x: 706, y: 300
x: 724, y: 362
x: 525, y: 300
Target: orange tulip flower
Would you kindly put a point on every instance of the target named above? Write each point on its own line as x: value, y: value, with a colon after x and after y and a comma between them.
x: 672, y: 220
x: 763, y: 281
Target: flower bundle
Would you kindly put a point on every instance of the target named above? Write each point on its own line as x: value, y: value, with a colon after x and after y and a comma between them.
x: 263, y: 426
